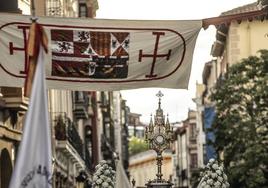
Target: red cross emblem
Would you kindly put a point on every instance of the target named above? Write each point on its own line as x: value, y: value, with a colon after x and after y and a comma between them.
x: 154, y: 55
x: 12, y: 48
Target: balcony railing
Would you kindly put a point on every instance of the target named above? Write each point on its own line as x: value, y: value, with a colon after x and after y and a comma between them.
x: 88, y: 160
x: 74, y: 138
x: 106, y: 148
x: 65, y: 130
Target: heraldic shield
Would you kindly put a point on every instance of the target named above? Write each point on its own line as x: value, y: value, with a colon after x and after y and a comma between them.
x: 90, y: 54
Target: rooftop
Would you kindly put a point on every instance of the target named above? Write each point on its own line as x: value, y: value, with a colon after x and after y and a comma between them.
x: 243, y: 9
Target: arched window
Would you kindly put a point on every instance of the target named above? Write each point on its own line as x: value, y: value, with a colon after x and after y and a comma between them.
x: 5, y: 168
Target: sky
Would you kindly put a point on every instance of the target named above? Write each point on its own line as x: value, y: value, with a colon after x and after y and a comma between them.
x: 176, y: 102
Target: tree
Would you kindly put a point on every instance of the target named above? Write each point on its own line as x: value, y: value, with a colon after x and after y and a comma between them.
x: 137, y: 145
x: 241, y: 123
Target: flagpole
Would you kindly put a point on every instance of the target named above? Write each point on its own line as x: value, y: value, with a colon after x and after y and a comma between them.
x: 31, y: 55
x: 32, y: 67
x: 33, y: 18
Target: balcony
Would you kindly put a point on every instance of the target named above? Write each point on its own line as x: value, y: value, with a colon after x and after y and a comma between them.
x: 14, y: 98
x: 2, y: 102
x: 106, y: 148
x: 68, y: 140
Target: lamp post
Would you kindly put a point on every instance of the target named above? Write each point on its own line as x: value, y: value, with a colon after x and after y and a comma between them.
x: 159, y: 136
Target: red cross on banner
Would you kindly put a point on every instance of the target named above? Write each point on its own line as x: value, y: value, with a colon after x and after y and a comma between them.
x: 155, y: 55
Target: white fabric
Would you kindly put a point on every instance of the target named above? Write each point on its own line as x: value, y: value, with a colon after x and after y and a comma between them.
x: 33, y: 166
x: 121, y: 177
x: 171, y: 70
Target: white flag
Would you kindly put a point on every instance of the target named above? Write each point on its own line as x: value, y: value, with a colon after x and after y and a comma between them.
x: 121, y: 177
x: 33, y: 168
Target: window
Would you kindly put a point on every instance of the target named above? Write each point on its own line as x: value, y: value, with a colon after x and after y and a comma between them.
x: 193, y: 160
x: 54, y: 8
x: 192, y: 130
x: 9, y: 6
x: 137, y: 121
x: 82, y: 10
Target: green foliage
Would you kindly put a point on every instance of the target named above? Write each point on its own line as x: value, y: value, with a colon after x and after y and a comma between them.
x: 241, y: 123
x: 137, y: 145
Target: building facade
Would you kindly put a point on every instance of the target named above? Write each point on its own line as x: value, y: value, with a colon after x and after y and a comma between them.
x: 75, y: 143
x: 13, y: 106
x: 238, y: 39
x: 135, y: 126
x: 73, y: 114
x: 125, y: 110
x: 185, y: 152
x: 113, y: 133
x: 199, y: 124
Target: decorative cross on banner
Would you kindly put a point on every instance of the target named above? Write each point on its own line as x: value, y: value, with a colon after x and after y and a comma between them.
x: 12, y: 48
x: 154, y: 55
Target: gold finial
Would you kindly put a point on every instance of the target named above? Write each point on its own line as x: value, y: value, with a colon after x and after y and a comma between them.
x: 159, y: 95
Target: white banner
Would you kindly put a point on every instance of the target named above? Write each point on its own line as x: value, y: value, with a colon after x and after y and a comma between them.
x: 122, y: 180
x: 97, y: 54
x: 33, y: 166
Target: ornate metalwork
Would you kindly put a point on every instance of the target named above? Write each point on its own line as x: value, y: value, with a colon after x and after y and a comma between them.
x: 159, y: 136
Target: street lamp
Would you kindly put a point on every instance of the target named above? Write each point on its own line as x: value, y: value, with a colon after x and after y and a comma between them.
x: 159, y: 136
